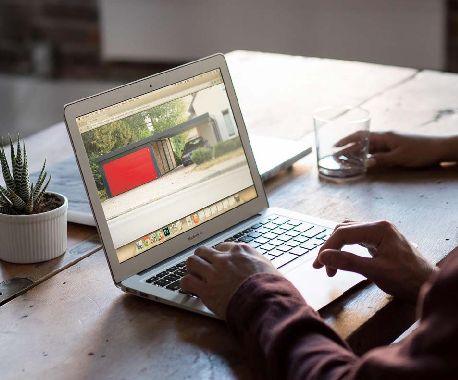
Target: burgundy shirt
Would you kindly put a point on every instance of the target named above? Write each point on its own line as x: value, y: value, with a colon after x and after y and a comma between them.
x: 284, y: 338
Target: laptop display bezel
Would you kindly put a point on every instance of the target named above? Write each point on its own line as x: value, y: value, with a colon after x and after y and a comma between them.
x: 196, y: 235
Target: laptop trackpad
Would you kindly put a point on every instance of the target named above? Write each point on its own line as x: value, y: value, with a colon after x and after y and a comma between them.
x: 316, y: 287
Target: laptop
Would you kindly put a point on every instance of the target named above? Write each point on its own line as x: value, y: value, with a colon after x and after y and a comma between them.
x: 167, y: 166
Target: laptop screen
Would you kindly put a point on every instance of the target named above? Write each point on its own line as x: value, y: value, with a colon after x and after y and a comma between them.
x: 166, y: 161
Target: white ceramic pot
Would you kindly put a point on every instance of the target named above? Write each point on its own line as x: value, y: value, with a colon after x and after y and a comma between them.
x: 33, y: 238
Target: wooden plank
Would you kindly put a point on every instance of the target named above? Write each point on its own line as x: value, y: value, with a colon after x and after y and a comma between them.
x: 278, y: 93
x: 78, y: 325
x: 15, y: 279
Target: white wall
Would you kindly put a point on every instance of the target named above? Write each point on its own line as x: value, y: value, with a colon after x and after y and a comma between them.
x: 399, y: 32
x: 214, y: 100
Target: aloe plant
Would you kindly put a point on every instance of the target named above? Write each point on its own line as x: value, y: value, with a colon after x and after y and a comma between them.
x: 20, y: 196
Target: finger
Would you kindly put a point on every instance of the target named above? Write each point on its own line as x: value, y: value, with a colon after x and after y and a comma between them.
x: 199, y: 267
x: 193, y: 285
x: 316, y: 264
x: 387, y: 159
x: 331, y: 272
x: 352, y: 138
x: 379, y: 142
x: 358, y: 233
x: 206, y: 253
x: 347, y: 261
x: 225, y: 246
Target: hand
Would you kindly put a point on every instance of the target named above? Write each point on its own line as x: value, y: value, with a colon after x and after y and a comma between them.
x: 214, y: 275
x: 395, y: 267
x: 394, y: 149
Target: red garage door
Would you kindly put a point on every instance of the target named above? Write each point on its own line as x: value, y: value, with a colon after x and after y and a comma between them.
x: 130, y: 171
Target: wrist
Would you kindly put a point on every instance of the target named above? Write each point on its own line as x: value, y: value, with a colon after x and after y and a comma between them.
x: 448, y: 148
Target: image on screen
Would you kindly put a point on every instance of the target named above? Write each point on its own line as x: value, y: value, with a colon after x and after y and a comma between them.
x: 166, y: 161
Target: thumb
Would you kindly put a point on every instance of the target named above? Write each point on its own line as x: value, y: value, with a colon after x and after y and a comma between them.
x: 382, y: 159
x: 346, y: 261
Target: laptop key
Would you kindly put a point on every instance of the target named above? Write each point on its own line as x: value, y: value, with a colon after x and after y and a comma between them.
x: 262, y: 230
x: 254, y: 244
x: 283, y: 247
x: 283, y: 237
x: 276, y: 242
x: 254, y: 234
x: 269, y: 235
x: 173, y: 286
x: 261, y: 240
x: 287, y: 226
x: 246, y: 239
x: 304, y: 226
x: 256, y: 226
x: 267, y: 246
x: 315, y: 230
x: 292, y: 243
x: 292, y: 233
x: 270, y: 226
x: 300, y: 238
x: 299, y: 251
x: 282, y: 260
x: 308, y: 245
x: 279, y: 220
x: 278, y: 231
x: 316, y: 241
x: 294, y: 222
x: 161, y: 282
x: 275, y: 252
x: 324, y: 235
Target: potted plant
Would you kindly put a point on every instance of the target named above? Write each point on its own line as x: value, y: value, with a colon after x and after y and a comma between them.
x: 33, y: 222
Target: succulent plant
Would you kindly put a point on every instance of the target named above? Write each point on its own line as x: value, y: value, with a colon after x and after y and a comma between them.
x: 20, y: 197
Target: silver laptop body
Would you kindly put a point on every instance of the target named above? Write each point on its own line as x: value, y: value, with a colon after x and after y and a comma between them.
x: 167, y: 166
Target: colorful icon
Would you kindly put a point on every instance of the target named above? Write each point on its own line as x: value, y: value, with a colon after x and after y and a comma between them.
x: 139, y: 244
x: 153, y: 237
x: 166, y: 231
x: 195, y: 219
x: 178, y: 225
x: 146, y: 241
x: 237, y: 198
x: 208, y: 212
x: 161, y: 235
x: 201, y: 215
x: 189, y: 221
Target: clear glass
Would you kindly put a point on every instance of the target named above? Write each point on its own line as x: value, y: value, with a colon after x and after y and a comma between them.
x: 341, y: 141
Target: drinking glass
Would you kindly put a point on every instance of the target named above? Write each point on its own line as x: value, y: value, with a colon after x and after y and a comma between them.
x: 341, y: 141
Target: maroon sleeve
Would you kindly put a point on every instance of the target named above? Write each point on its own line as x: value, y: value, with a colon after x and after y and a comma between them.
x: 284, y: 338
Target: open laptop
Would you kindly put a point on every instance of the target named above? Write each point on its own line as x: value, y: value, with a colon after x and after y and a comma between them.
x: 168, y: 166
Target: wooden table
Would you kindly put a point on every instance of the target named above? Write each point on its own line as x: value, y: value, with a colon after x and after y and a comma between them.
x: 74, y: 323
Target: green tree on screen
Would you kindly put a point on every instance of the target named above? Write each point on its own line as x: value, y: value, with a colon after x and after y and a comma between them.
x: 109, y: 137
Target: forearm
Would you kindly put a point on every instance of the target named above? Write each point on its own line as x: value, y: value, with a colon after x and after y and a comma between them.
x: 283, y: 336
x: 449, y: 152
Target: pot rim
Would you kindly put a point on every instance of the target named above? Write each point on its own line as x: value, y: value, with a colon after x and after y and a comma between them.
x: 41, y: 214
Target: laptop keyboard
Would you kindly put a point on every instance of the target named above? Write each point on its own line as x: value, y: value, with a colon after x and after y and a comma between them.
x: 280, y: 239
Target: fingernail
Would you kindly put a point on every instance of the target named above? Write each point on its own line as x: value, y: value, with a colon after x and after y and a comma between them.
x: 370, y: 162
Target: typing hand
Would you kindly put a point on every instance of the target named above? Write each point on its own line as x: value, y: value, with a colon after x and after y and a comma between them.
x: 214, y: 275
x: 394, y: 149
x: 396, y: 267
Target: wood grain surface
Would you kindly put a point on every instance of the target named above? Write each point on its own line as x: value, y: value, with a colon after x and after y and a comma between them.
x: 18, y: 278
x: 78, y: 325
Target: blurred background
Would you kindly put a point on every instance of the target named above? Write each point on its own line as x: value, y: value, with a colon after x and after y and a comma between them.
x: 56, y: 51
